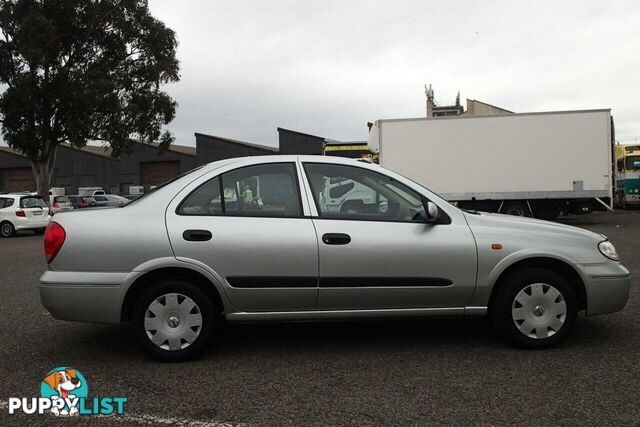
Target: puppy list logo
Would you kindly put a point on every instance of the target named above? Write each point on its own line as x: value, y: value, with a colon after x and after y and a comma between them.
x: 65, y: 392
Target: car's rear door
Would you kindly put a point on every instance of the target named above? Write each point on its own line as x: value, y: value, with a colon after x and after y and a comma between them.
x: 376, y: 251
x: 248, y: 226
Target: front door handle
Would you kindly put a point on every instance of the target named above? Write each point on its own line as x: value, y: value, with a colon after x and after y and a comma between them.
x: 336, y: 239
x: 197, y: 235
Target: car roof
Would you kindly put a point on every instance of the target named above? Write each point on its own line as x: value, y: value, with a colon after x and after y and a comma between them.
x: 19, y: 195
x: 251, y: 160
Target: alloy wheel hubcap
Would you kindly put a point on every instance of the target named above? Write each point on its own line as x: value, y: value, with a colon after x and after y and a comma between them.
x: 539, y: 311
x: 6, y: 230
x: 173, y: 322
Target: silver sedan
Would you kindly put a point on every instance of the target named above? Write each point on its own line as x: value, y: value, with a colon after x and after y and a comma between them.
x: 308, y: 237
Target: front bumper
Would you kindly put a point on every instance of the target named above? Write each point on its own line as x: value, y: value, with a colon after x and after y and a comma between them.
x: 607, y: 286
x: 83, y: 296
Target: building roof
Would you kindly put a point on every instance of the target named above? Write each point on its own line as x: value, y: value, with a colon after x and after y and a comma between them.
x: 236, y: 141
x: 182, y: 149
x: 300, y: 133
x: 490, y: 105
x: 105, y: 151
x: 90, y: 149
x: 11, y: 151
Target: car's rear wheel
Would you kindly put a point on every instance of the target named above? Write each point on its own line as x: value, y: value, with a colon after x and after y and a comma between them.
x: 534, y: 308
x: 7, y: 229
x: 174, y: 320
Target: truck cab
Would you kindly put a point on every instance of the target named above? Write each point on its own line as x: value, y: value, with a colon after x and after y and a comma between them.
x: 628, y: 176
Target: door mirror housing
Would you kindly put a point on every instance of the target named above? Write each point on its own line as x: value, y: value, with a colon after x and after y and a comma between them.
x: 432, y: 212
x: 636, y: 165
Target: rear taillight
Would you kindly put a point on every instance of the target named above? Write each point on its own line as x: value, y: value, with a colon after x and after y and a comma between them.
x: 55, y: 205
x: 21, y: 213
x: 53, y: 240
x: 83, y: 205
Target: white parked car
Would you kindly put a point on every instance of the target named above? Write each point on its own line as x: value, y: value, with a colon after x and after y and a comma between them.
x: 22, y: 212
x: 60, y: 204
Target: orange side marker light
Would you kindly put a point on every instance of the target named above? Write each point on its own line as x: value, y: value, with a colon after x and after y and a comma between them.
x: 496, y: 246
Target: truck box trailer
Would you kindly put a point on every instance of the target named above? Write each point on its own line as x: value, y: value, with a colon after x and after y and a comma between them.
x: 532, y: 164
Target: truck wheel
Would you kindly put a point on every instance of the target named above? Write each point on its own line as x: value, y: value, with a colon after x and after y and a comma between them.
x: 173, y: 320
x: 7, y: 229
x: 534, y: 308
x: 516, y: 209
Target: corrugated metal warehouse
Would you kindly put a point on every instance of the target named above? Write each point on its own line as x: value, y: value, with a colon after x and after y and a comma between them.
x: 149, y: 166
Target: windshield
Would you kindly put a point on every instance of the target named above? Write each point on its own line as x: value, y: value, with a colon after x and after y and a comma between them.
x: 630, y: 161
x: 60, y: 199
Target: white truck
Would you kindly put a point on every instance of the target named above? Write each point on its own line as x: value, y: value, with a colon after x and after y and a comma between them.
x: 530, y: 164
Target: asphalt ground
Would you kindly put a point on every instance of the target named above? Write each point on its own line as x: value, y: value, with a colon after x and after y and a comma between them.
x: 387, y: 372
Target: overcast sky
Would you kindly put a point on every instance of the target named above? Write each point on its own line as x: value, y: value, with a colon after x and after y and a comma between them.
x: 328, y: 67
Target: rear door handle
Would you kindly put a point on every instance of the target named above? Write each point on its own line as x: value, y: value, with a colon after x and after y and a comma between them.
x: 336, y: 239
x: 197, y: 235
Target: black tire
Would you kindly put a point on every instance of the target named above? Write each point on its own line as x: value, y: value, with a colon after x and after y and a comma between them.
x: 39, y: 231
x: 207, y: 309
x: 516, y: 209
x: 7, y: 229
x: 503, y: 302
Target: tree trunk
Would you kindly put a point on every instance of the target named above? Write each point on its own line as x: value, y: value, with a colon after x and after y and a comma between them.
x: 43, y: 172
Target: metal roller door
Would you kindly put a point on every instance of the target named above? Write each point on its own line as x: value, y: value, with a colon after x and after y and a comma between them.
x: 17, y: 179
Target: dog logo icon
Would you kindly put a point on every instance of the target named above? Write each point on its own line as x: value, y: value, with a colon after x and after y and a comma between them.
x: 65, y: 387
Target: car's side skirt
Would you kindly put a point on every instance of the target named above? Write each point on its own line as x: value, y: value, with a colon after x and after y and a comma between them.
x: 354, y: 314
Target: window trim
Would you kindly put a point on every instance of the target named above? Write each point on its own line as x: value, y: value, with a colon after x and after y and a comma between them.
x: 422, y: 197
x: 297, y: 188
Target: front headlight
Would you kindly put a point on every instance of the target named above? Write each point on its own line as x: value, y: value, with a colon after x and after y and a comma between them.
x: 607, y: 249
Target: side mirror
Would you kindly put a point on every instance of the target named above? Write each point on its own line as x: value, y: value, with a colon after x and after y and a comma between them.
x: 432, y: 212
x: 636, y: 165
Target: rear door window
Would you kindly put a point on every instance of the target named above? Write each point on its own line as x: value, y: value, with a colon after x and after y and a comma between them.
x: 267, y: 190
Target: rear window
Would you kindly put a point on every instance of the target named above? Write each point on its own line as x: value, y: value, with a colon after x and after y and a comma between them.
x: 88, y: 199
x: 32, y: 202
x: 61, y: 199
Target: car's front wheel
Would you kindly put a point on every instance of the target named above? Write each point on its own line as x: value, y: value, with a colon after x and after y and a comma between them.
x: 174, y: 320
x: 534, y: 308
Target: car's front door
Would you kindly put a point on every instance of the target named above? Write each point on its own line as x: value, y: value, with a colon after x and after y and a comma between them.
x: 376, y: 251
x: 247, y: 226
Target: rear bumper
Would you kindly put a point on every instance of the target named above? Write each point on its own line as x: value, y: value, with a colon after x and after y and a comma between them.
x: 20, y: 223
x: 607, y: 288
x: 83, y: 296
